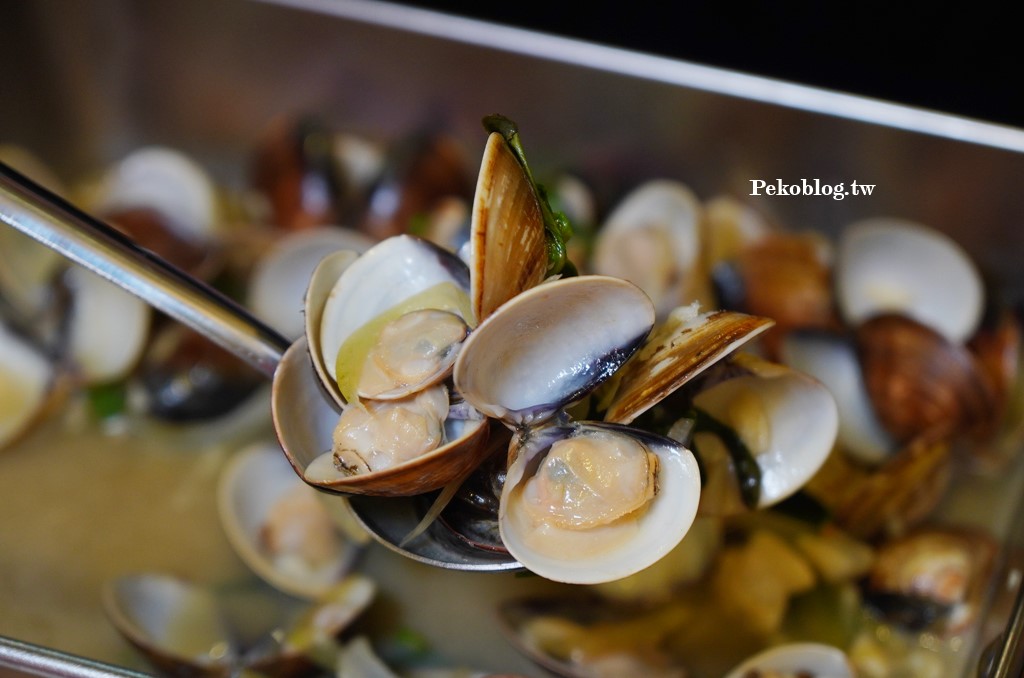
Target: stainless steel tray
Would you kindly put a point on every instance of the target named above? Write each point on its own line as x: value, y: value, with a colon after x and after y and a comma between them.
x: 84, y: 83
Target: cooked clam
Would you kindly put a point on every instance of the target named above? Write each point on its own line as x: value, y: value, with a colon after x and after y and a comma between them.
x: 279, y: 279
x: 653, y: 239
x: 786, y: 421
x: 582, y: 502
x: 889, y: 265
x: 280, y: 526
x: 351, y: 299
x: 919, y: 381
x: 164, y: 180
x: 187, y: 629
x: 832, y: 360
x: 108, y: 327
x: 932, y: 578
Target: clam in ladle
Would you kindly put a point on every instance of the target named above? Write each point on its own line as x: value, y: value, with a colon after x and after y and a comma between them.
x: 89, y: 242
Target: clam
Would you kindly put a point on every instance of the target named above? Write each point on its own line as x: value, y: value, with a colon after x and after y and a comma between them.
x: 281, y: 527
x: 26, y: 380
x: 786, y: 420
x: 832, y: 359
x: 796, y: 660
x: 582, y: 502
x: 920, y: 381
x: 174, y: 623
x: 384, y: 329
x: 788, y: 278
x: 932, y: 578
x: 108, y: 327
x: 277, y: 285
x: 385, y: 320
x: 166, y: 181
x: 183, y: 628
x: 895, y: 266
x: 351, y: 299
x: 653, y: 239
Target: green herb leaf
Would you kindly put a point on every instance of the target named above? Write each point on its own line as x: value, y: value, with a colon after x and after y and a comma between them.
x: 557, y: 228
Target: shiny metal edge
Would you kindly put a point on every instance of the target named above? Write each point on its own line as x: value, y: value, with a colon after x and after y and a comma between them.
x: 667, y: 70
x: 42, y: 661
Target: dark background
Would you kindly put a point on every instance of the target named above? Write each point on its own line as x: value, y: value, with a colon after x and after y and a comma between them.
x: 964, y: 59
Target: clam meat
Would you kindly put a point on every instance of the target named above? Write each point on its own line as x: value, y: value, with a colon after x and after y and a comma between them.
x: 582, y: 502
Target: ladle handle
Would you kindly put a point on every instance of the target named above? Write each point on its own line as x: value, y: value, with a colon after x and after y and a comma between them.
x: 86, y: 240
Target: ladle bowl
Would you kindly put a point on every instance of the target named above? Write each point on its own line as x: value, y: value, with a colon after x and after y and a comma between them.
x: 301, y: 421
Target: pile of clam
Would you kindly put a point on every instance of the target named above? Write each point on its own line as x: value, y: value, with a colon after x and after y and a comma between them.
x: 423, y: 351
x: 580, y: 395
x: 924, y: 367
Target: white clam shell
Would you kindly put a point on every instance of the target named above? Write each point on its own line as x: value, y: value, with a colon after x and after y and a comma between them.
x: 167, y: 181
x: 667, y: 207
x: 384, y: 276
x: 607, y: 552
x: 174, y: 622
x: 551, y: 345
x: 816, y: 659
x: 894, y: 265
x: 542, y: 350
x: 26, y: 377
x: 833, y: 362
x: 108, y: 326
x: 279, y: 280
x: 802, y: 419
x: 249, y: 487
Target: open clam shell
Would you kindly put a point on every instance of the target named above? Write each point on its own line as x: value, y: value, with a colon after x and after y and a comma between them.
x: 280, y: 278
x: 832, y: 360
x: 787, y: 420
x: 305, y: 419
x: 797, y: 659
x: 539, y: 352
x: 178, y: 626
x: 278, y: 525
x: 561, y: 340
x: 108, y: 327
x: 507, y: 237
x: 604, y: 551
x: 167, y: 181
x: 349, y: 295
x: 887, y: 265
x: 187, y: 629
x: 683, y: 346
x: 653, y: 239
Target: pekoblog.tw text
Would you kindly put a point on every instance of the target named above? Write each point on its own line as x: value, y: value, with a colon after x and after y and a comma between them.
x: 810, y: 187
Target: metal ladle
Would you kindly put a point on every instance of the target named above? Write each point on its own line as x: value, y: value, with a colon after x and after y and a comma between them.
x: 89, y: 242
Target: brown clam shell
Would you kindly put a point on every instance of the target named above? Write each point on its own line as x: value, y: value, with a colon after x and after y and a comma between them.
x: 507, y: 231
x: 304, y: 419
x: 785, y: 279
x: 674, y: 354
x: 891, y: 499
x: 919, y: 381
